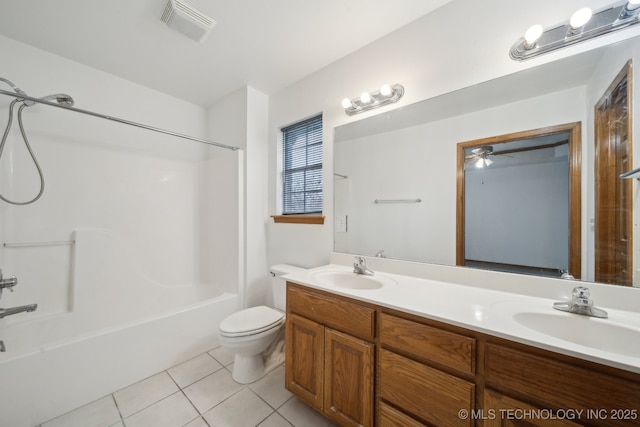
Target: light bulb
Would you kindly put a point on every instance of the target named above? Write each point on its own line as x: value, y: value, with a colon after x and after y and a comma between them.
x: 365, y: 98
x: 580, y: 18
x: 385, y: 90
x: 488, y: 162
x: 346, y: 103
x: 479, y: 163
x: 630, y: 9
x: 532, y: 35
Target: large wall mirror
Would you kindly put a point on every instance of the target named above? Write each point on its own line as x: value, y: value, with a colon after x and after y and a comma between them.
x: 398, y: 175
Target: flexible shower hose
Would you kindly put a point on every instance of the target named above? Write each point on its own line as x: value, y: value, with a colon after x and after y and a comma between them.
x: 26, y: 143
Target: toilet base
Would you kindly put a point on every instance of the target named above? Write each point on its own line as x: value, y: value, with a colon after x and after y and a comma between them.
x: 249, y: 369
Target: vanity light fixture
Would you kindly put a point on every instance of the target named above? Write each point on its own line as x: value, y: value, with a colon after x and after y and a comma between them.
x: 370, y: 100
x: 583, y: 25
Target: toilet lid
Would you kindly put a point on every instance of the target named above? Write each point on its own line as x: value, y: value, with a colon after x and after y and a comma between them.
x: 251, y: 320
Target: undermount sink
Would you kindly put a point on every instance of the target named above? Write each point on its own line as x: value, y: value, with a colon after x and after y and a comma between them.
x: 350, y: 280
x: 599, y: 334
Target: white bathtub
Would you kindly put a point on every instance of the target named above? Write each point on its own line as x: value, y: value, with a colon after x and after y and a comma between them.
x: 37, y: 384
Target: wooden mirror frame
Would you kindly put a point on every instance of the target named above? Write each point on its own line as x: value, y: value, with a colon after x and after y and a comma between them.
x: 575, y: 187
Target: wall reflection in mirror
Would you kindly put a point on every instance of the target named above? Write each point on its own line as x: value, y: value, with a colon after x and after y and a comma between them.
x: 538, y: 205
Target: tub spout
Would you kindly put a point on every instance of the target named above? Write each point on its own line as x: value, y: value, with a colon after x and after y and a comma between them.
x: 15, y: 310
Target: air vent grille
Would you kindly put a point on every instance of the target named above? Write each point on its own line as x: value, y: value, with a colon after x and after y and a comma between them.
x: 187, y: 20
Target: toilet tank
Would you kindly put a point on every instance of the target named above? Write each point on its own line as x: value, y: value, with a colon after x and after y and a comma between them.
x: 279, y: 285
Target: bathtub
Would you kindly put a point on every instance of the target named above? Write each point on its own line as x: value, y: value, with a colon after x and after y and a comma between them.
x: 56, y: 377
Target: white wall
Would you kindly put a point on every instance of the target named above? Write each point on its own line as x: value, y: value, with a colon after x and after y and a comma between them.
x: 227, y: 123
x: 431, y: 56
x: 240, y: 119
x: 258, y: 289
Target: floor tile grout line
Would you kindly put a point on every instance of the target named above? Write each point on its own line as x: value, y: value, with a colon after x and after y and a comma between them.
x: 273, y: 410
x: 194, y: 407
x: 151, y: 404
x: 225, y: 399
x: 260, y: 397
x: 157, y: 401
x: 115, y: 402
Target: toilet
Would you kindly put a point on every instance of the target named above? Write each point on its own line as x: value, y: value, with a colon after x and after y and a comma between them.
x: 256, y: 334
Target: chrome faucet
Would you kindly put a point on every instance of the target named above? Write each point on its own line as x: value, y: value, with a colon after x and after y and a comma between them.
x: 380, y: 254
x: 564, y: 274
x: 360, y: 267
x: 580, y: 303
x: 4, y: 312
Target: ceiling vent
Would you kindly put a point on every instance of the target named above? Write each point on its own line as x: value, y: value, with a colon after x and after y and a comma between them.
x: 187, y: 20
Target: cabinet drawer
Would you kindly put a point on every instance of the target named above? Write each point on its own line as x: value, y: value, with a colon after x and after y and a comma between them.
x: 558, y: 383
x: 391, y: 417
x: 444, y: 347
x: 503, y: 411
x: 424, y: 392
x: 334, y: 312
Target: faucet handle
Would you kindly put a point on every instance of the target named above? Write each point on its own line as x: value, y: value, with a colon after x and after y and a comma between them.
x: 8, y: 283
x: 581, y: 296
x: 581, y: 292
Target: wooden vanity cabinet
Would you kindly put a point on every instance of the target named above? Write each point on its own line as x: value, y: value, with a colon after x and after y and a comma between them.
x: 525, y: 377
x: 361, y: 364
x: 330, y: 355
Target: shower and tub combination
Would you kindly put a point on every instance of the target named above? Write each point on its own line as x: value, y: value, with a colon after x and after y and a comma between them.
x: 110, y: 275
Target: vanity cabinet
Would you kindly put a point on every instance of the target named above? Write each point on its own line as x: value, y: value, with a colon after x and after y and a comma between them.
x: 330, y: 355
x: 565, y: 387
x: 364, y: 364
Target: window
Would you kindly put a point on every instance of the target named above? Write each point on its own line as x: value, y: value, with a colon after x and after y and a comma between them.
x: 302, y: 167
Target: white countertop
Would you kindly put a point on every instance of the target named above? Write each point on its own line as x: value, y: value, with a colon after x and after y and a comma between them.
x: 495, y: 312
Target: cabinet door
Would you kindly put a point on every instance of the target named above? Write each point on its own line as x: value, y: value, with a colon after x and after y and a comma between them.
x: 303, y: 359
x: 348, y: 379
x: 503, y: 411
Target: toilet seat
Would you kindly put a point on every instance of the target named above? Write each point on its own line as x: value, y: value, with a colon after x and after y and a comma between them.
x: 251, y: 321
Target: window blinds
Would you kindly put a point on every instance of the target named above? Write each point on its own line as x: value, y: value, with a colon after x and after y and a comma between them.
x: 302, y: 171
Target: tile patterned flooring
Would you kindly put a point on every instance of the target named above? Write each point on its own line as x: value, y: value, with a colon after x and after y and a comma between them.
x: 197, y: 393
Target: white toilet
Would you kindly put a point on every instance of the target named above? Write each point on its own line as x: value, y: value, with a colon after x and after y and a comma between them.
x: 256, y: 334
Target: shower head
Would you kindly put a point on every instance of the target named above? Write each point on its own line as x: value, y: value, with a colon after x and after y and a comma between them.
x: 60, y: 98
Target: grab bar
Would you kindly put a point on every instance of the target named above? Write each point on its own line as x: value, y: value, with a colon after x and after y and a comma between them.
x: 32, y: 244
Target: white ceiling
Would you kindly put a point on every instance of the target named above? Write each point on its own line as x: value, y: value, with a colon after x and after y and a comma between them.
x: 266, y: 44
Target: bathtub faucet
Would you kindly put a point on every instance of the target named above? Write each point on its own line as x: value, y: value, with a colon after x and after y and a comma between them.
x: 15, y: 310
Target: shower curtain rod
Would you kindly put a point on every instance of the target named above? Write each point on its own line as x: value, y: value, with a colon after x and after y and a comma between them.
x: 115, y: 119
